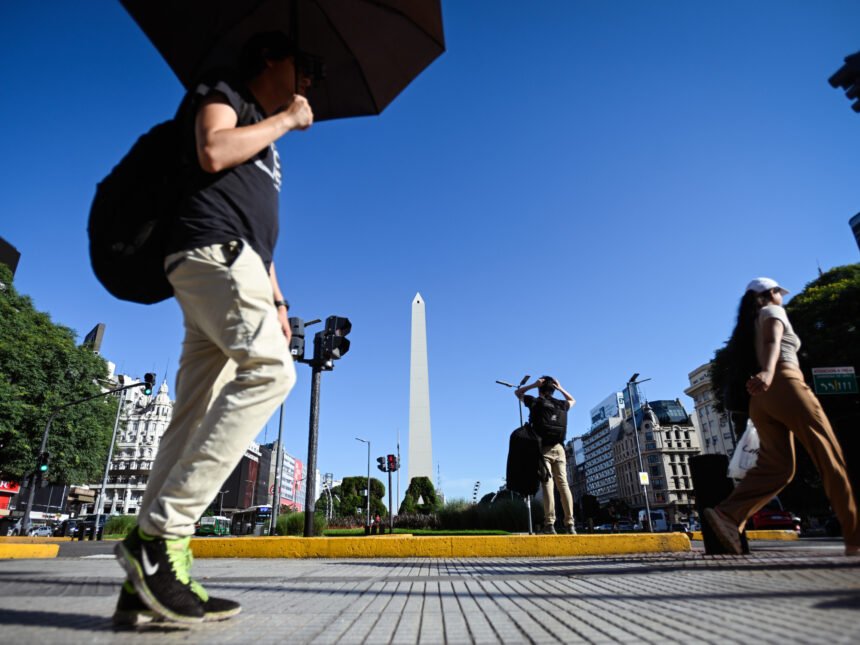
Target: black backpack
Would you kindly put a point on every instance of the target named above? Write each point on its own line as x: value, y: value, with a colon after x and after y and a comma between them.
x: 549, y: 419
x: 134, y: 205
x: 525, y: 468
x: 130, y: 214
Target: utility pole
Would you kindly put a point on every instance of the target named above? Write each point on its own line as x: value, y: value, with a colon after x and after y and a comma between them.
x: 642, y: 471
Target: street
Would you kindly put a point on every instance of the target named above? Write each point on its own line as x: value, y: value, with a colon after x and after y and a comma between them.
x: 805, y: 591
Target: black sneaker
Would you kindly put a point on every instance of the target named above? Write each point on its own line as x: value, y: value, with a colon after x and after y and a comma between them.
x: 158, y: 569
x: 569, y: 530
x: 131, y: 612
x: 549, y: 529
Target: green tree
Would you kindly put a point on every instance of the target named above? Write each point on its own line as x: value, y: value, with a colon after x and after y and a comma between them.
x: 41, y: 368
x: 352, y: 502
x: 420, y: 488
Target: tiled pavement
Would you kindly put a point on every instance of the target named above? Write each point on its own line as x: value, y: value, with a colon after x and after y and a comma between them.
x: 777, y: 595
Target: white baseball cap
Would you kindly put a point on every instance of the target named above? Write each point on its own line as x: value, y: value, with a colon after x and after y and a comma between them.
x: 760, y: 285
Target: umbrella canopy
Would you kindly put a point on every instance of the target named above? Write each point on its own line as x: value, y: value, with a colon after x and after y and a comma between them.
x: 372, y: 49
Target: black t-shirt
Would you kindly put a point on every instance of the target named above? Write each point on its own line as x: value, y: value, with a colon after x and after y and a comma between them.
x: 237, y: 203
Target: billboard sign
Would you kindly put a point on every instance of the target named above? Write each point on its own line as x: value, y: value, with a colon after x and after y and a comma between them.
x: 611, y: 406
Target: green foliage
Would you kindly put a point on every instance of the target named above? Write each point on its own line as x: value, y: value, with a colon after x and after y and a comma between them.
x: 120, y: 524
x: 504, y: 514
x: 41, y: 368
x: 294, y: 524
x: 420, y: 488
x: 348, y: 500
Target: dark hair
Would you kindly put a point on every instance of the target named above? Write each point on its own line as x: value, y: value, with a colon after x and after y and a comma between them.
x: 266, y: 46
x: 548, y: 386
x: 741, y: 345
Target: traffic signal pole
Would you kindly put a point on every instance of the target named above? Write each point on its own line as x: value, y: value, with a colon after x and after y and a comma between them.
x: 25, y: 522
x: 313, y: 434
x: 390, y: 507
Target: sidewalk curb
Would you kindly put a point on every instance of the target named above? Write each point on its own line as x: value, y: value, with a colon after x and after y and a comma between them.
x: 492, y: 546
x: 18, y: 551
x: 781, y: 535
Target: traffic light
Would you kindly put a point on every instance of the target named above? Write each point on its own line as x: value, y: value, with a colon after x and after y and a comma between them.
x: 42, y: 464
x: 333, y: 343
x: 381, y: 464
x: 148, y: 383
x: 297, y: 338
x: 393, y: 464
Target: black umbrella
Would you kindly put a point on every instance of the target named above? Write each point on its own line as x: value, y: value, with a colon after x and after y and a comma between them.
x: 371, y: 49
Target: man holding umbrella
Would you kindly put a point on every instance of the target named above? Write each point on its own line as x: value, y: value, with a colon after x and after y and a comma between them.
x: 235, y: 368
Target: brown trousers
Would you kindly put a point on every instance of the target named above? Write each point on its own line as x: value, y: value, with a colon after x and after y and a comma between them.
x: 787, y: 410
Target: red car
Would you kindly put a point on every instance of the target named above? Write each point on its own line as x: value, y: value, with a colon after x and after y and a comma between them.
x: 772, y: 516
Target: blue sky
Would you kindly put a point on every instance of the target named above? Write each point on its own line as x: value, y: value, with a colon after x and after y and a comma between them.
x: 575, y: 188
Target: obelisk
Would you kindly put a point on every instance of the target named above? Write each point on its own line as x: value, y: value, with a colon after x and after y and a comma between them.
x: 420, y: 446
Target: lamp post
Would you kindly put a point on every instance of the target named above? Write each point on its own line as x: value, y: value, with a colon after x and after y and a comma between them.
x: 630, y: 383
x: 221, y: 502
x: 520, y: 402
x: 368, y: 481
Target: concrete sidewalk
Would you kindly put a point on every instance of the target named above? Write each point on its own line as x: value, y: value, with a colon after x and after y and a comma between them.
x: 780, y: 594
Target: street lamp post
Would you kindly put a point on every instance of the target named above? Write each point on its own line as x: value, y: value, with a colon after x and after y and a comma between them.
x: 221, y: 502
x: 634, y: 382
x: 368, y: 480
x: 528, y: 497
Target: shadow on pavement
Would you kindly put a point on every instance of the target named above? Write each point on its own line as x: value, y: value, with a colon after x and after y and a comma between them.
x: 848, y: 602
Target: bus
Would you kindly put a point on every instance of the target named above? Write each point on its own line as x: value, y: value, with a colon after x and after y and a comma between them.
x: 251, y: 521
x: 214, y: 525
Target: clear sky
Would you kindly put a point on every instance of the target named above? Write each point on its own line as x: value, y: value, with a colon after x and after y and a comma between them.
x: 575, y: 188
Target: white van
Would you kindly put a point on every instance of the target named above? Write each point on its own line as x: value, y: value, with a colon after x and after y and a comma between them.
x: 659, y: 520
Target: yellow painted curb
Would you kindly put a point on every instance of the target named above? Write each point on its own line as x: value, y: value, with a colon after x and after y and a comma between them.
x: 786, y: 535
x: 490, y: 546
x: 24, y: 539
x: 18, y: 551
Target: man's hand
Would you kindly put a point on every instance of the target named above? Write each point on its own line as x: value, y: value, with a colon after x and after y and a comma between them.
x: 299, y: 113
x: 284, y: 319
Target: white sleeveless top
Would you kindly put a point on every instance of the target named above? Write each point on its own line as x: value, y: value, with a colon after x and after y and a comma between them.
x: 790, y: 343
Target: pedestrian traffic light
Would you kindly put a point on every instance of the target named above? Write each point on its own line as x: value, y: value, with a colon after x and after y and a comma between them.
x: 393, y: 464
x: 43, y: 462
x: 381, y: 464
x: 297, y: 338
x: 148, y: 383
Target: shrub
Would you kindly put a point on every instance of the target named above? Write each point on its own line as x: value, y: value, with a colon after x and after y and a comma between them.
x: 294, y: 524
x: 120, y: 524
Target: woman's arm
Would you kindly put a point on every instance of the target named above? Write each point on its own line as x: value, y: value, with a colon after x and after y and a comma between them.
x: 771, y: 334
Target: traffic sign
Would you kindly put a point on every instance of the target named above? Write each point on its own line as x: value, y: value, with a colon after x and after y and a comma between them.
x: 834, y: 380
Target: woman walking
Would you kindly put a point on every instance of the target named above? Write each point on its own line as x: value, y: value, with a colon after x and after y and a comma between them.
x: 783, y: 408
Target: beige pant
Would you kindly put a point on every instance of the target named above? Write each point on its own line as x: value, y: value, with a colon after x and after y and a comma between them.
x: 789, y: 410
x: 556, y: 463
x: 235, y: 370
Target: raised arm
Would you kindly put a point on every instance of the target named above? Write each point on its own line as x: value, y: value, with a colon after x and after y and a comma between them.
x: 222, y: 145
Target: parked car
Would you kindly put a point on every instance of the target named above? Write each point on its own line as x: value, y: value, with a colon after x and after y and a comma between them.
x: 625, y: 526
x: 772, y: 516
x: 66, y: 528
x: 41, y: 531
x: 87, y: 522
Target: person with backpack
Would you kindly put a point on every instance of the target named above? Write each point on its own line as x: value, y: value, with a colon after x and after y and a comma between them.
x: 548, y: 418
x: 235, y: 368
x: 783, y: 409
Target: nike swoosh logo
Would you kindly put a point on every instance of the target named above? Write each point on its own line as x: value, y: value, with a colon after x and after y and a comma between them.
x: 148, y: 568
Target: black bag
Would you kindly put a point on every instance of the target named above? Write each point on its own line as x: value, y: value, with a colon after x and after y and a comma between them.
x: 130, y: 213
x: 549, y: 418
x: 134, y: 205
x: 526, y: 468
